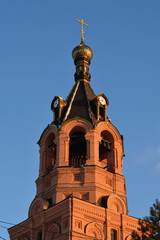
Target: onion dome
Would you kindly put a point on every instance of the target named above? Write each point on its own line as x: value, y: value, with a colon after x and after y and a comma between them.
x: 82, y: 54
x: 82, y: 51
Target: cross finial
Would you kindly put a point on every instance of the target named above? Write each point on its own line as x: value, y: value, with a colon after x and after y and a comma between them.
x: 82, y: 22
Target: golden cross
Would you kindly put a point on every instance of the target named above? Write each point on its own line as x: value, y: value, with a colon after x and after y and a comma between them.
x: 82, y: 22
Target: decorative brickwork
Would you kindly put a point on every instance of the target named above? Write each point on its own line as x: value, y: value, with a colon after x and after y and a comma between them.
x: 80, y: 190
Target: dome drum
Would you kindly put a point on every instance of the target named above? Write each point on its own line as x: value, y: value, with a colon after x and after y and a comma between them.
x: 82, y: 75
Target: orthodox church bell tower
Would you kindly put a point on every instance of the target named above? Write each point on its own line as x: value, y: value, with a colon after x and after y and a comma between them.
x: 81, y: 190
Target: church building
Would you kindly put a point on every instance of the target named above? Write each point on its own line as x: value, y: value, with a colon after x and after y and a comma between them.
x: 80, y: 190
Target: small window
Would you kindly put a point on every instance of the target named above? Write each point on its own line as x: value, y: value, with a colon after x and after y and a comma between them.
x: 101, y: 112
x: 113, y: 234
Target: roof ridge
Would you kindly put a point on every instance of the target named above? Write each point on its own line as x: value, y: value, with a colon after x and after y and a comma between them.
x: 90, y: 88
x: 89, y: 108
x: 71, y: 91
x: 70, y: 104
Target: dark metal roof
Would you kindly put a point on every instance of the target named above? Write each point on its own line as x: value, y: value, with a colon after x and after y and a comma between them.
x: 79, y: 103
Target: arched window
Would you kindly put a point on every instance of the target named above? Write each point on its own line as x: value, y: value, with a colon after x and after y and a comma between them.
x: 50, y: 152
x: 113, y: 234
x: 77, y: 148
x: 106, y: 150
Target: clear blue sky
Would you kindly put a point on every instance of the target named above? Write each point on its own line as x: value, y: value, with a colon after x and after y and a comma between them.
x: 36, y: 41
